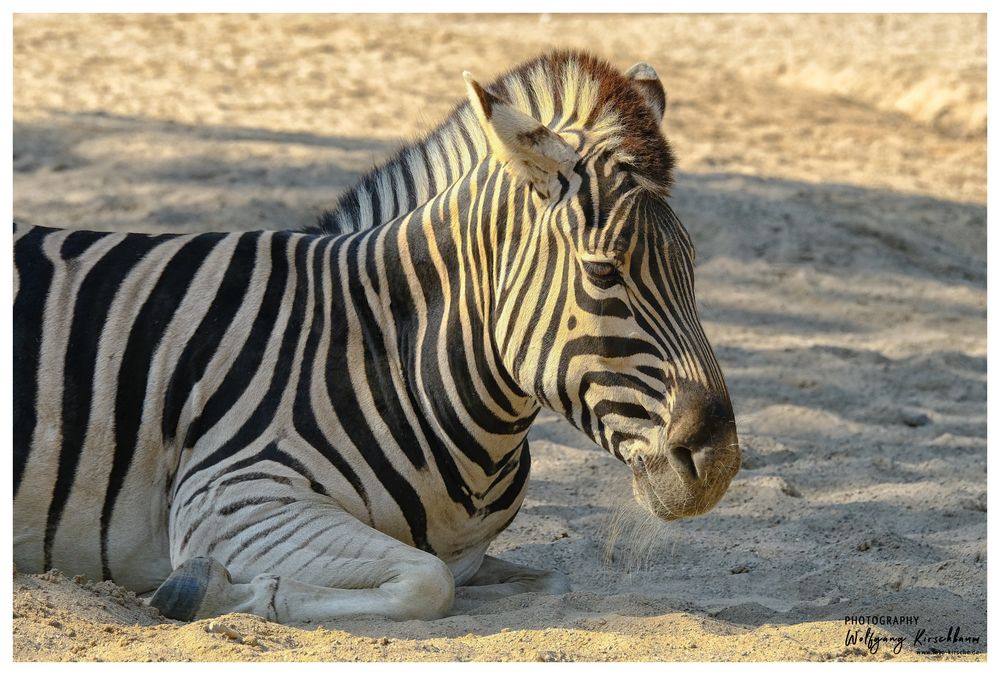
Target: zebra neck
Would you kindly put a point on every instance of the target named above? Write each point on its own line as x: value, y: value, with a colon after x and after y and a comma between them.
x: 430, y: 279
x: 413, y: 176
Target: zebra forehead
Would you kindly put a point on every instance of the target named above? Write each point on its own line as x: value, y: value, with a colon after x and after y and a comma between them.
x: 648, y: 216
x: 655, y: 213
x: 576, y: 86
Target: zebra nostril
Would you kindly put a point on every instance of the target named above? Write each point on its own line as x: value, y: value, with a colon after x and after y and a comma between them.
x: 639, y: 464
x: 683, y: 460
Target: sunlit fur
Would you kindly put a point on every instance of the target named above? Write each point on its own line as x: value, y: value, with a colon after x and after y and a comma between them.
x: 304, y: 404
x: 615, y: 373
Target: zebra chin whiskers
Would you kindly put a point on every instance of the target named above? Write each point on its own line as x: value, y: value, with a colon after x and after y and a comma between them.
x: 633, y: 537
x: 671, y: 495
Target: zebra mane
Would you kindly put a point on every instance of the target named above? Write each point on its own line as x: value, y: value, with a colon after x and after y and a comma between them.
x: 563, y: 89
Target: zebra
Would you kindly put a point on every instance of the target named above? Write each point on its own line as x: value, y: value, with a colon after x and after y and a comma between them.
x: 306, y: 425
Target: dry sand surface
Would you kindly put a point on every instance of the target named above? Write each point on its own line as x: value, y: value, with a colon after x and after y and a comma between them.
x: 832, y: 173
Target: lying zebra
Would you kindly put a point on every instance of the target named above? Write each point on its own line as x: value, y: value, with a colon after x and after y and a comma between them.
x: 338, y: 418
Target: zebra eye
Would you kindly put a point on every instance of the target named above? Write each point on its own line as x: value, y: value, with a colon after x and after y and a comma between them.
x: 603, y: 271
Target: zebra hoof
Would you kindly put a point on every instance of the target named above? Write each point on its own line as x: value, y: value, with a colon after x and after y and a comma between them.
x: 180, y: 596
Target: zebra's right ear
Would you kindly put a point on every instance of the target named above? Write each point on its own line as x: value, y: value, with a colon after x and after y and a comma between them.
x: 531, y: 151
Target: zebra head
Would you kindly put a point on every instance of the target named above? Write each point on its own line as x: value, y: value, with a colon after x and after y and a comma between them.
x: 595, y: 312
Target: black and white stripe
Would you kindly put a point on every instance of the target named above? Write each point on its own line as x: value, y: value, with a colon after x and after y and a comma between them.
x: 212, y: 394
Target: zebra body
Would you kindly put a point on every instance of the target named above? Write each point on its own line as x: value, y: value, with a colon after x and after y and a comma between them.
x: 278, y: 300
x: 347, y: 409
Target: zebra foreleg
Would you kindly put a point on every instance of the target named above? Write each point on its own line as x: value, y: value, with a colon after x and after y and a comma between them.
x: 334, y: 567
x: 497, y: 579
x: 201, y: 588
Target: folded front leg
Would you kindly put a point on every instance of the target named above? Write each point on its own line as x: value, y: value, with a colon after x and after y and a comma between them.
x: 320, y: 564
x: 498, y: 579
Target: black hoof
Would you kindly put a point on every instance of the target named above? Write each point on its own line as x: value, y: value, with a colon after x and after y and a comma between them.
x: 180, y: 596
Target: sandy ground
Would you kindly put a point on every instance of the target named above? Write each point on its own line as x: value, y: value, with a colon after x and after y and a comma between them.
x: 832, y: 175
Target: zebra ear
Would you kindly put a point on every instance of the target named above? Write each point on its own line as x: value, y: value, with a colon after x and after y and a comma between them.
x: 530, y: 150
x: 645, y: 79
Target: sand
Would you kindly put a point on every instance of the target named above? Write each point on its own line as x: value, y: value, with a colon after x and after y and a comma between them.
x: 832, y: 173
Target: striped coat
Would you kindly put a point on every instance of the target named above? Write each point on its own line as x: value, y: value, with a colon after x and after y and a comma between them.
x: 272, y: 419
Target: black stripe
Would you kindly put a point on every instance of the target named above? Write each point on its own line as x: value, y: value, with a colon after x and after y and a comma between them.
x: 658, y: 318
x: 298, y: 524
x: 477, y: 306
x: 133, y: 375
x: 408, y: 183
x: 607, y: 378
x: 376, y: 202
x: 431, y: 184
x: 442, y: 147
x: 510, y: 495
x: 536, y: 112
x: 406, y: 321
x: 321, y: 553
x: 467, y: 140
x: 204, y: 343
x: 253, y: 476
x: 344, y: 400
x: 378, y: 376
x: 436, y: 323
x: 245, y: 365
x: 239, y: 529
x: 35, y: 272
x: 303, y: 415
x: 290, y: 550
x: 631, y: 410
x: 506, y: 243
x: 611, y: 347
x: 270, y: 453
x: 527, y: 342
x: 93, y: 301
x: 233, y: 507
x: 247, y: 542
x: 79, y: 241
x: 617, y: 439
x: 512, y: 239
x: 263, y: 414
x: 543, y: 341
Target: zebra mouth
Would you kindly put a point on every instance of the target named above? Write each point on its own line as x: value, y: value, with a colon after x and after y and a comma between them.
x: 642, y: 489
x: 659, y: 489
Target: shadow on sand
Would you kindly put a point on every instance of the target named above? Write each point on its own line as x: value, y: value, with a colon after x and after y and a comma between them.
x: 856, y: 414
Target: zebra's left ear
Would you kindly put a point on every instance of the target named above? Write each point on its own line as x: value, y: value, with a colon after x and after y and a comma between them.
x: 645, y: 79
x: 530, y: 150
